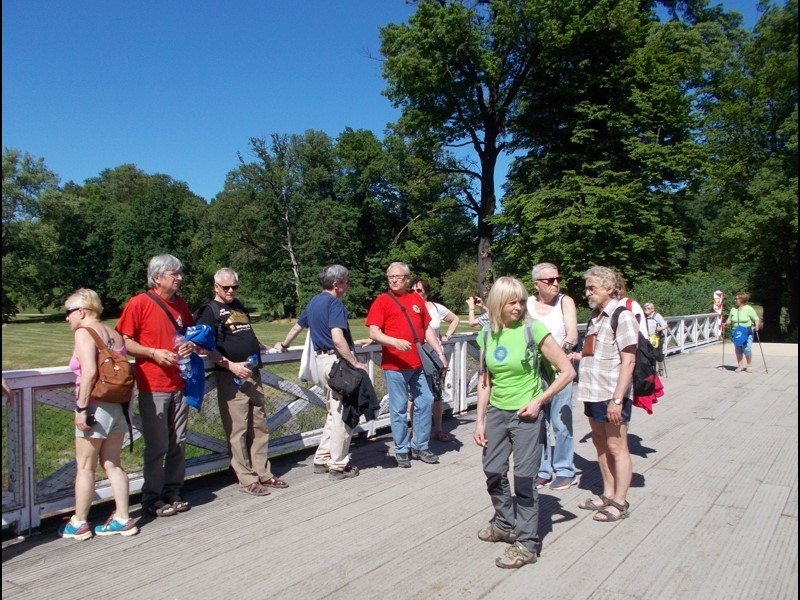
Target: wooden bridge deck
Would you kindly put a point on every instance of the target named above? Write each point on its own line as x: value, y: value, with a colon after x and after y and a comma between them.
x: 713, y: 515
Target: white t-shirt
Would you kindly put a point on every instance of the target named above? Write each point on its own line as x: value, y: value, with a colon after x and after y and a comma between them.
x: 554, y: 320
x: 437, y: 313
x: 638, y: 312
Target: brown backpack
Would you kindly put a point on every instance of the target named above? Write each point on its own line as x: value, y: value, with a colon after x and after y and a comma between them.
x: 114, y: 374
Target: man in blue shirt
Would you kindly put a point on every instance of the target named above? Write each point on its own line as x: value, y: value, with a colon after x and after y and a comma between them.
x: 325, y: 316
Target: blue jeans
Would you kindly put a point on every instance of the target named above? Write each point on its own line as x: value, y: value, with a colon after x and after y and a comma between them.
x: 400, y: 384
x: 559, y: 458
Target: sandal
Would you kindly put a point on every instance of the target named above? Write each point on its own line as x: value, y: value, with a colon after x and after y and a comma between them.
x: 255, y: 489
x: 179, y: 504
x: 275, y: 482
x: 611, y: 517
x: 159, y: 508
x: 592, y: 504
x: 441, y: 436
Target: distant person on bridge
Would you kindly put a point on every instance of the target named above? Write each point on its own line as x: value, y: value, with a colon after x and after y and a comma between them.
x: 656, y: 328
x: 604, y: 387
x: 743, y: 315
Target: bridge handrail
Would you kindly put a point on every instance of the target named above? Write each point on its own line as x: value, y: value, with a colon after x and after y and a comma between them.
x: 27, y: 498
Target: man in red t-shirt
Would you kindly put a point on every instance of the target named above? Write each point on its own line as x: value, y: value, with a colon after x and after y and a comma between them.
x: 390, y: 320
x: 148, y: 324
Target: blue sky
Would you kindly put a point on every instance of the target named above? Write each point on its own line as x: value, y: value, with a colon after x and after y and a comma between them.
x: 179, y: 87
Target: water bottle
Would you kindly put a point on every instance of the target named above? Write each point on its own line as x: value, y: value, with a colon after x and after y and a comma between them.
x: 184, y: 364
x: 251, y: 363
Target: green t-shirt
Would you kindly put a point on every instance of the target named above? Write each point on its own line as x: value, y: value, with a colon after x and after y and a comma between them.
x: 514, y: 382
x: 746, y: 316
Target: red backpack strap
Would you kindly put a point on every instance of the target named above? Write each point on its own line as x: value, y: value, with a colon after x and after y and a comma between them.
x: 629, y: 303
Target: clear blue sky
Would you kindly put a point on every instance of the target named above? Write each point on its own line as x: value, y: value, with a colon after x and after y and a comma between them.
x: 180, y: 87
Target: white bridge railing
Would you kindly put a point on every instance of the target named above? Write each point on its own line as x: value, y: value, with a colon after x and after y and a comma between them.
x: 41, y: 416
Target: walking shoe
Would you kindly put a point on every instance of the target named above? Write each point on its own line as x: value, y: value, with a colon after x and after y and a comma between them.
x: 402, y: 459
x: 320, y: 468
x: 516, y: 556
x: 425, y: 456
x: 346, y: 473
x: 748, y: 370
x: 563, y: 483
x: 76, y: 532
x: 739, y: 369
x: 114, y: 527
x: 492, y: 533
x: 541, y: 482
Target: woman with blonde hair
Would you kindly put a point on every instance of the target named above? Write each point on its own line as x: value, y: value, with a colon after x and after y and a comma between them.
x: 99, y: 426
x: 510, y: 416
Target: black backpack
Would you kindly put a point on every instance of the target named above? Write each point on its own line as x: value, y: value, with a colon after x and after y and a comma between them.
x: 644, y: 372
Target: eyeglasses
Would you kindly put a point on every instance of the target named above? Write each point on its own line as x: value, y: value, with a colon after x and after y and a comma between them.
x: 419, y: 290
x: 550, y: 280
x: 71, y: 310
x: 174, y: 274
x: 229, y: 287
x: 396, y: 277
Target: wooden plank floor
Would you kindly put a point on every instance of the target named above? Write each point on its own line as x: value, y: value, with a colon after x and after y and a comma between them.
x: 713, y: 515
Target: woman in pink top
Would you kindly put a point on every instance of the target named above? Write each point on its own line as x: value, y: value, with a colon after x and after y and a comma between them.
x: 99, y: 426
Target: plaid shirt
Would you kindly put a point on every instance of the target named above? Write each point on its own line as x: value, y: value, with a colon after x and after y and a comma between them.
x: 599, y: 373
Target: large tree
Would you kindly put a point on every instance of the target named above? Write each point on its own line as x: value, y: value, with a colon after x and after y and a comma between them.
x: 456, y: 70
x: 750, y: 196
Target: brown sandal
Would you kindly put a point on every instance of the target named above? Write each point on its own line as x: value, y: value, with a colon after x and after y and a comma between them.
x: 592, y: 504
x: 275, y: 482
x: 159, y: 508
x: 179, y: 504
x: 255, y: 489
x: 611, y: 517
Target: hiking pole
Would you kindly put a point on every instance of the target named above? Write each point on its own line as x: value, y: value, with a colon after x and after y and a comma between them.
x: 758, y: 337
x: 722, y: 366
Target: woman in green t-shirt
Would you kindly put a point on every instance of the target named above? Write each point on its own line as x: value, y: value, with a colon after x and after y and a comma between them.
x: 509, y: 420
x: 743, y: 315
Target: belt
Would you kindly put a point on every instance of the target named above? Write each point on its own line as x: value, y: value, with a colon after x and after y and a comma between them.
x: 321, y: 352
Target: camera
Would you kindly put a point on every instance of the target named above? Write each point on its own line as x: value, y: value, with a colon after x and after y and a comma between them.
x: 90, y: 420
x: 477, y: 299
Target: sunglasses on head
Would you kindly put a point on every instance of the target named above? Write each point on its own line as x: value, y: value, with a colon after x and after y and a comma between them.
x: 229, y: 287
x: 550, y: 280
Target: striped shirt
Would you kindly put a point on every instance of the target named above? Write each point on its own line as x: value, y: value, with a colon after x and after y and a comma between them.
x: 599, y: 373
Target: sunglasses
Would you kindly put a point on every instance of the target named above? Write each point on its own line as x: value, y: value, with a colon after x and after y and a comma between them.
x: 550, y: 280
x: 229, y: 287
x: 71, y: 310
x: 418, y: 290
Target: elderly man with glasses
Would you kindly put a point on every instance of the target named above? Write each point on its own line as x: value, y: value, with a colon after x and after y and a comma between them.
x: 148, y: 324
x: 239, y: 389
x: 559, y: 314
x: 396, y: 321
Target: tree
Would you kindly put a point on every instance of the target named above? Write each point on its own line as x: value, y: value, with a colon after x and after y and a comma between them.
x: 25, y: 180
x: 455, y: 70
x: 750, y: 195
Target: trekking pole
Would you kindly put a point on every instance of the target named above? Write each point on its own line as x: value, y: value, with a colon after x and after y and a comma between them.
x: 723, y: 347
x: 758, y: 337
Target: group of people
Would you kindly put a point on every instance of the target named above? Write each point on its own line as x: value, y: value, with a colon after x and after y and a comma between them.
x: 517, y: 403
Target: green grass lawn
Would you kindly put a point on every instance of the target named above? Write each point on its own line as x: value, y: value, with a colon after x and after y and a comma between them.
x: 37, y: 341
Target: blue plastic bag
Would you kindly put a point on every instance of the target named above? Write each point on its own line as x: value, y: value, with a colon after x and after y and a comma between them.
x: 740, y: 335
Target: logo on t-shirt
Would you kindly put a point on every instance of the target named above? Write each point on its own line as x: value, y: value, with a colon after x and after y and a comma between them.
x: 500, y: 353
x: 415, y: 308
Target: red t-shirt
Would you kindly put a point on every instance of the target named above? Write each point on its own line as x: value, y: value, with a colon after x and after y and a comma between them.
x: 385, y: 314
x: 145, y: 322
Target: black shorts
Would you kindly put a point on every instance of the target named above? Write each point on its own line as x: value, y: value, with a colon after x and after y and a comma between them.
x: 599, y: 410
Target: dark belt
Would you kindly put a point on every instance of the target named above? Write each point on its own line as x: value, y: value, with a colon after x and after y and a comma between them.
x: 321, y: 352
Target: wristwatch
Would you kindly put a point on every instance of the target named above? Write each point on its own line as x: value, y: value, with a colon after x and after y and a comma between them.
x: 80, y: 409
x: 617, y: 401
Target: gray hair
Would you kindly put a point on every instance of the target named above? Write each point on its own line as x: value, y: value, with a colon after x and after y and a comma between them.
x: 608, y: 279
x: 536, y: 271
x: 226, y: 272
x: 161, y: 264
x: 402, y: 265
x: 330, y: 274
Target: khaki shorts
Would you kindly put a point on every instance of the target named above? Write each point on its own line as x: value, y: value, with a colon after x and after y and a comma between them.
x: 110, y: 419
